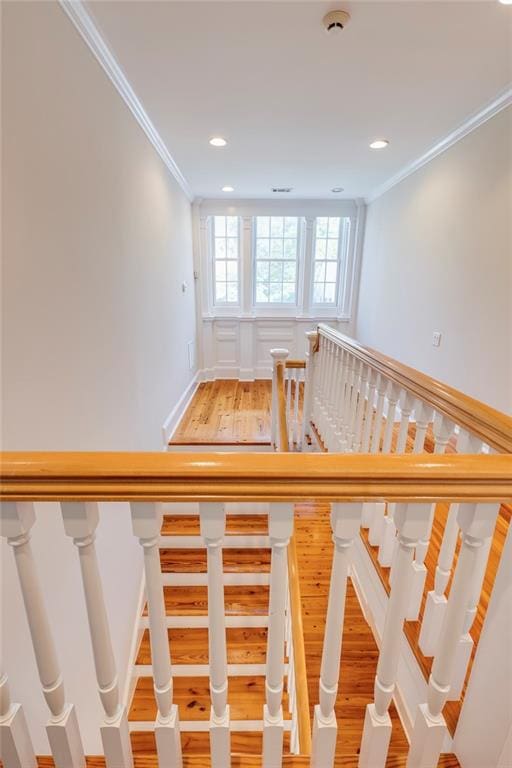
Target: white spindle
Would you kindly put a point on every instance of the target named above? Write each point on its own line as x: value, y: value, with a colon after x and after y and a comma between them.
x: 213, y: 524
x: 146, y: 523
x: 309, y: 384
x: 280, y: 529
x: 278, y: 356
x: 288, y: 375
x: 358, y: 430
x: 411, y: 521
x: 368, y: 417
x: 296, y: 434
x: 382, y: 388
x: 392, y: 397
x: 16, y: 750
x: 345, y: 522
x: 435, y: 605
x: 443, y: 430
x: 476, y: 522
x: 338, y: 443
x: 354, y: 400
x: 80, y: 523
x: 346, y: 402
x: 17, y: 520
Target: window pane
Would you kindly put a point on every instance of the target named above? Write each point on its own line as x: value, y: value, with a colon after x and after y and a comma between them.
x: 232, y: 248
x: 289, y: 292
x: 330, y: 292
x: 232, y: 272
x: 319, y: 272
x: 262, y: 271
x: 220, y: 226
x: 321, y: 249
x: 233, y: 292
x: 276, y: 249
x: 262, y: 249
x: 318, y: 293
x: 332, y: 249
x: 276, y: 226
x: 262, y: 292
x: 276, y: 272
x: 220, y: 291
x: 232, y: 226
x: 321, y: 226
x: 334, y: 227
x: 220, y: 248
x: 220, y: 270
x: 263, y: 226
x: 289, y: 271
x: 331, y: 270
x: 275, y: 292
x: 290, y: 249
x: 290, y: 227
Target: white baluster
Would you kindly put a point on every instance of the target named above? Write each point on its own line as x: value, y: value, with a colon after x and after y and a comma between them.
x: 411, y: 521
x: 297, y: 376
x: 16, y: 750
x: 354, y: 401
x: 339, y: 442
x: 477, y: 524
x: 388, y: 536
x: 382, y: 387
x: 278, y: 356
x: 435, y: 605
x: 280, y: 529
x: 17, y: 520
x: 309, y: 384
x: 288, y: 377
x: 330, y: 411
x: 392, y: 397
x: 80, y: 523
x: 368, y: 417
x: 361, y: 402
x: 213, y: 524
x: 443, y: 430
x: 345, y: 522
x: 346, y: 401
x: 324, y: 401
x: 146, y: 523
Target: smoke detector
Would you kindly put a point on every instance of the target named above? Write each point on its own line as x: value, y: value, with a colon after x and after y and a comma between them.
x: 336, y: 21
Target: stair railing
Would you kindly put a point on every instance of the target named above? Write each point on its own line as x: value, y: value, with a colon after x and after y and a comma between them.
x: 413, y: 482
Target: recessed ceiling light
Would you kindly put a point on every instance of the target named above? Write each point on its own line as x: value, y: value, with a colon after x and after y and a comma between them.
x: 228, y: 189
x: 379, y: 144
x: 337, y: 189
x: 218, y: 141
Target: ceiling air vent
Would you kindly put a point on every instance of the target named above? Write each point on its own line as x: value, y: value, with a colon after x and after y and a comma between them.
x: 282, y: 189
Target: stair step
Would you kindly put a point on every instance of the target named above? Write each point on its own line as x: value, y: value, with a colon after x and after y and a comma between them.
x: 236, y: 525
x: 197, y: 743
x: 249, y: 541
x: 238, y: 601
x: 246, y: 697
x: 190, y: 646
x: 239, y: 560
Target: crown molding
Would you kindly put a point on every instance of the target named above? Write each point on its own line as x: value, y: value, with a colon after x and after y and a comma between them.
x: 84, y: 24
x: 474, y: 121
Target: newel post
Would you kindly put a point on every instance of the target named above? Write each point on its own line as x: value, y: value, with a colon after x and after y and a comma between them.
x: 476, y: 522
x: 147, y: 523
x: 309, y: 375
x: 16, y: 750
x: 411, y: 521
x: 16, y: 521
x: 279, y: 356
x: 80, y: 523
x: 345, y: 523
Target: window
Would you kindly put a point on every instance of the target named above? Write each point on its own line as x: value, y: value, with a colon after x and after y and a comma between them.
x: 326, y: 257
x: 276, y: 245
x: 226, y: 259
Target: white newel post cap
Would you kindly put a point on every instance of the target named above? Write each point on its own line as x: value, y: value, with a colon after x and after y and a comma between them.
x: 279, y: 354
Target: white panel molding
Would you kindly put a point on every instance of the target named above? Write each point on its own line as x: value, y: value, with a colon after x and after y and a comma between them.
x: 179, y: 409
x: 473, y: 122
x: 82, y: 21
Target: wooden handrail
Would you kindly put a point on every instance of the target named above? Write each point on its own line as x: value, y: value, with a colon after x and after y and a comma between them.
x: 492, y: 426
x: 254, y: 477
x: 295, y: 363
x: 282, y: 421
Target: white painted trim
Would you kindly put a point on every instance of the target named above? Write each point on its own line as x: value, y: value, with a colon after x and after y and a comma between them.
x: 230, y: 542
x: 191, y: 726
x: 76, y: 12
x: 191, y: 622
x: 137, y: 633
x: 174, y: 418
x: 470, y: 124
x: 229, y: 580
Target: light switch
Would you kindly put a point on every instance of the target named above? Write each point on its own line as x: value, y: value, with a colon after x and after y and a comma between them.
x: 436, y: 339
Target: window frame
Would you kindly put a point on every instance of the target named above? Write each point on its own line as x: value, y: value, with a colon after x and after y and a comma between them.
x: 344, y: 233
x: 259, y: 307
x: 225, y: 306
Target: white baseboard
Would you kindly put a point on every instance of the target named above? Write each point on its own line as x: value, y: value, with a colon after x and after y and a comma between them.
x: 179, y: 409
x: 233, y: 372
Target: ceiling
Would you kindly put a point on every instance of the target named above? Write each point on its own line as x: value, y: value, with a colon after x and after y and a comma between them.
x: 298, y: 106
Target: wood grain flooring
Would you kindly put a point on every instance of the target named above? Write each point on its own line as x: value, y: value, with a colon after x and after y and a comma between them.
x: 148, y: 758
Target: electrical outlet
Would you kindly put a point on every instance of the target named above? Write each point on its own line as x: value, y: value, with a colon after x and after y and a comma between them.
x: 436, y: 339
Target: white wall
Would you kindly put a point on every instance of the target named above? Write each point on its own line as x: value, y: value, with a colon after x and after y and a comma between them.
x: 96, y: 242
x: 438, y: 257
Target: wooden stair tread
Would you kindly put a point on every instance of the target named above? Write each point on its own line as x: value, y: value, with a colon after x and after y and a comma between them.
x: 246, y: 696
x: 235, y: 560
x: 236, y: 525
x: 245, y: 645
x: 238, y: 601
x: 198, y: 743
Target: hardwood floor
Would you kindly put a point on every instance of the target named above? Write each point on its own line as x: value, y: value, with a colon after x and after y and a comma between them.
x: 227, y: 412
